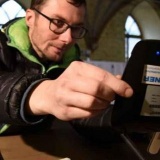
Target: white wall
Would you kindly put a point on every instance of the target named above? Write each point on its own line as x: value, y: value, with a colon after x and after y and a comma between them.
x: 148, y: 19
x: 115, y: 68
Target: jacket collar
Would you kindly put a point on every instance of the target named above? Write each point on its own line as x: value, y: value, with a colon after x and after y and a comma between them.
x: 22, y: 43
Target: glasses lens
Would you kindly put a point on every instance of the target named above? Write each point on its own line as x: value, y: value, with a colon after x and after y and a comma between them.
x: 60, y: 27
x: 78, y: 32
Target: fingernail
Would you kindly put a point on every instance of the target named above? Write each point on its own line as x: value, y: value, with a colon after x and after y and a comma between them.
x: 129, y: 92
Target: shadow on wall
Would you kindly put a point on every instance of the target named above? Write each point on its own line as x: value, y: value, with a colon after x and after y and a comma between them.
x: 26, y: 4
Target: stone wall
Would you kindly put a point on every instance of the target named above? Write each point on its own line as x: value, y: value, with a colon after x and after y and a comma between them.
x: 111, y: 45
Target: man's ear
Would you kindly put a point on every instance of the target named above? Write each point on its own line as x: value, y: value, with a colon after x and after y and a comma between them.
x: 30, y: 17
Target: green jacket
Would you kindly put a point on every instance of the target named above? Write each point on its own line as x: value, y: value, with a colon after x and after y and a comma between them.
x: 20, y: 70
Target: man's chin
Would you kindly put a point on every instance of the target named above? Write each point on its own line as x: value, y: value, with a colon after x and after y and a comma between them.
x: 54, y: 55
x: 56, y: 58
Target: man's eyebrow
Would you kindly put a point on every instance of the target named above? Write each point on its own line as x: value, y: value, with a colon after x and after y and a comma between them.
x: 63, y: 19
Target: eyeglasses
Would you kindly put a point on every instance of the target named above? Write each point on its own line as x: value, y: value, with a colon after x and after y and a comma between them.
x: 59, y: 26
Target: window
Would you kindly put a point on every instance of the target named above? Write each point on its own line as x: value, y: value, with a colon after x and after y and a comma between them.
x: 132, y: 35
x: 9, y: 10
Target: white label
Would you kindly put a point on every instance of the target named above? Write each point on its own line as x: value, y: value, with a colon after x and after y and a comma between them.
x: 151, y: 75
x: 151, y: 104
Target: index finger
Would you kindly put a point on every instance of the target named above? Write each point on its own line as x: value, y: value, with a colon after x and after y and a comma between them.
x: 119, y: 86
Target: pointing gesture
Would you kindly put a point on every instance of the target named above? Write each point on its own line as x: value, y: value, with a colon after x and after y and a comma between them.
x: 83, y: 90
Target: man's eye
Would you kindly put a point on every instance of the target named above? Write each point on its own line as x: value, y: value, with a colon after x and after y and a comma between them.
x: 58, y: 22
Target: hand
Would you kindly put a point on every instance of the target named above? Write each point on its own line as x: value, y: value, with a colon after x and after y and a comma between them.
x: 81, y: 91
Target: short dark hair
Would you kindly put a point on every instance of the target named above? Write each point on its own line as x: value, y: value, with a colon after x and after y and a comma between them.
x: 38, y: 3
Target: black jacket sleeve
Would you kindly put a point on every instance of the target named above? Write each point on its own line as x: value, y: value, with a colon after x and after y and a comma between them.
x: 13, y: 83
x: 12, y: 89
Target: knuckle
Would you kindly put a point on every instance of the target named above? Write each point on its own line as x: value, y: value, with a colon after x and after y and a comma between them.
x: 66, y: 113
x: 75, y: 63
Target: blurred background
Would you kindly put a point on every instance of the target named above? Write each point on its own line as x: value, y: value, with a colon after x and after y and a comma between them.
x: 114, y: 28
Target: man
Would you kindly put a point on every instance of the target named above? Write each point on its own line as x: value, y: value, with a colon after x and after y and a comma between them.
x: 34, y: 54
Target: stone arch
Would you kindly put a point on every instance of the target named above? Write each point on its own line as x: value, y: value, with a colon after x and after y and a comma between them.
x: 150, y: 27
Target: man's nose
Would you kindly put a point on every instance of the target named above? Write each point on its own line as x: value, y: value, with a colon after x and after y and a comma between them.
x: 67, y: 36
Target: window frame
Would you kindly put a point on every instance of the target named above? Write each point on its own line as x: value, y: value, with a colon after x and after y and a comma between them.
x: 131, y: 36
x: 4, y: 1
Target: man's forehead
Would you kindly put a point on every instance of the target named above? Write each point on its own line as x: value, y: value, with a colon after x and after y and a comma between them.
x: 60, y: 3
x: 63, y: 7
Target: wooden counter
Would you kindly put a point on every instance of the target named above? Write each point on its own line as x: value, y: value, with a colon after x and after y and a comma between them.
x: 63, y: 142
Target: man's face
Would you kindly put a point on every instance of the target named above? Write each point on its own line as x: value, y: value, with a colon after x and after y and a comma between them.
x: 46, y: 43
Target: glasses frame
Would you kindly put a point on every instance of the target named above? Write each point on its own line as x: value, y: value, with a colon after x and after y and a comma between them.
x: 67, y: 25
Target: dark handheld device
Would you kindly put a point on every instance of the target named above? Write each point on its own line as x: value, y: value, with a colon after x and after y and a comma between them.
x: 141, y: 112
